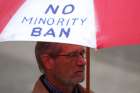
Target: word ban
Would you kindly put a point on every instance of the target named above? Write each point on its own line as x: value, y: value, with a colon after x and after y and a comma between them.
x: 38, y: 31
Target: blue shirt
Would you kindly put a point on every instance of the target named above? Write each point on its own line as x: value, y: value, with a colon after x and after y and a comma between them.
x: 53, y: 89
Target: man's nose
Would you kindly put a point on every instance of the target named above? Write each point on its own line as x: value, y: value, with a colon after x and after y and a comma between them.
x: 81, y: 61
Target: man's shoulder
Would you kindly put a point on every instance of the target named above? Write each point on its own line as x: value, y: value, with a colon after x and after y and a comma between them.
x: 39, y: 88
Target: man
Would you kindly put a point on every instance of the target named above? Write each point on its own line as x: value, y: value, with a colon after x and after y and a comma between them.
x: 63, y: 68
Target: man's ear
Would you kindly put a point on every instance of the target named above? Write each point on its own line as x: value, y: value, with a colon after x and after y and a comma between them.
x: 47, y: 61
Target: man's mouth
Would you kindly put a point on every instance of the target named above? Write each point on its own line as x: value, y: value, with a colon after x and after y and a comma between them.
x: 79, y: 72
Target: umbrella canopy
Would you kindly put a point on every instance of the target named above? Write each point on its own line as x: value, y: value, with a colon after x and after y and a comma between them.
x: 116, y: 23
x: 52, y: 21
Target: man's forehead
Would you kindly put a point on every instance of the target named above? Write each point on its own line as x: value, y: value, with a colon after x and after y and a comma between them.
x: 71, y: 47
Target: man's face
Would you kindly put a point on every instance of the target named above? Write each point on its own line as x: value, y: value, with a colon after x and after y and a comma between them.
x: 69, y: 66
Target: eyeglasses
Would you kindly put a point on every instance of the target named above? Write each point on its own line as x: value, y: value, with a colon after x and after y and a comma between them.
x: 74, y: 54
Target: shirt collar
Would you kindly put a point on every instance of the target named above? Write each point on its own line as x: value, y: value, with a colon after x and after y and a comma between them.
x: 53, y: 89
x: 49, y: 86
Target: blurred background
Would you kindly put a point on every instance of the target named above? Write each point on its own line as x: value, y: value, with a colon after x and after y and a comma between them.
x: 117, y: 70
x: 113, y: 70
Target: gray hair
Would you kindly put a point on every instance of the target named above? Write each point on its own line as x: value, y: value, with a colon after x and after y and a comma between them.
x: 52, y: 49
